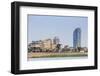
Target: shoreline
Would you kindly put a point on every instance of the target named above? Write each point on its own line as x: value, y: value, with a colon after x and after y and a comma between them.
x: 53, y: 55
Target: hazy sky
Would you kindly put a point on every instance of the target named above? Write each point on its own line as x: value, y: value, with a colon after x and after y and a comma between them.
x: 42, y: 27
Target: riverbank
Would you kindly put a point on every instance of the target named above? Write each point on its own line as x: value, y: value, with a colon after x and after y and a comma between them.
x: 67, y: 54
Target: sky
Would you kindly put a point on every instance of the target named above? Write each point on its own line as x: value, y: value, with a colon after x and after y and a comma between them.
x: 41, y: 27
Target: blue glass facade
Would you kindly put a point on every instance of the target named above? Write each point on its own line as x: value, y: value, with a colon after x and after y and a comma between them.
x: 77, y: 38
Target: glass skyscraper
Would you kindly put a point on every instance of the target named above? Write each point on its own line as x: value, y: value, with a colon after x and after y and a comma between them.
x: 77, y: 38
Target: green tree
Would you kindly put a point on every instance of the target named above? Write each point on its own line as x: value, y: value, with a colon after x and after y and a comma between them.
x: 58, y: 47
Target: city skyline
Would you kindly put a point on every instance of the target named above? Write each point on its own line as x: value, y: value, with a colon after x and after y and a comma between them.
x: 43, y: 27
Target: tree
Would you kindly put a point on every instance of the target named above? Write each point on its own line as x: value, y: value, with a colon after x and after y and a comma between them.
x: 58, y: 47
x: 79, y: 49
x: 30, y: 49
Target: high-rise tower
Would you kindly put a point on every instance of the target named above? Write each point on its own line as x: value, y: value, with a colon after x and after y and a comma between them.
x: 77, y: 38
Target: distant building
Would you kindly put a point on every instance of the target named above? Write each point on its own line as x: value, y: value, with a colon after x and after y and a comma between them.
x: 84, y: 49
x: 71, y: 49
x: 77, y: 38
x: 37, y: 44
x: 45, y: 45
x: 56, y: 40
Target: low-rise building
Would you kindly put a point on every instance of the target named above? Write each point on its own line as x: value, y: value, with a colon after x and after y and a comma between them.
x: 45, y: 45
